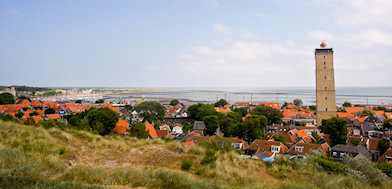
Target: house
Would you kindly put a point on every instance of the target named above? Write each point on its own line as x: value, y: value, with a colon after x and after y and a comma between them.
x: 344, y: 115
x: 37, y: 119
x: 371, y: 130
x: 270, y: 104
x: 177, y: 128
x: 387, y: 156
x: 339, y: 151
x: 301, y: 148
x: 355, y: 111
x: 241, y: 105
x: 270, y: 147
x: 162, y: 133
x: 165, y: 127
x: 238, y: 143
x: 121, y: 127
x: 199, y: 125
x: 277, y: 128
x: 53, y: 116
x: 288, y: 139
x: 151, y: 130
x: 188, y: 144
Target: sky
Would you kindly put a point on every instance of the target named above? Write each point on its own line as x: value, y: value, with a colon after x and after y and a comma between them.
x: 193, y: 43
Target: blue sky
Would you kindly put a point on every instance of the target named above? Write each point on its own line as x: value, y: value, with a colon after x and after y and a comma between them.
x: 192, y: 43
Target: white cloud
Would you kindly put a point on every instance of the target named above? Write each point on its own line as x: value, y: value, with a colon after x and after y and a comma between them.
x: 13, y: 12
x: 262, y: 15
x: 359, y: 13
x: 248, y: 34
x: 222, y: 28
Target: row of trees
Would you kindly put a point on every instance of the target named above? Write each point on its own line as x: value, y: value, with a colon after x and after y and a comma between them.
x: 231, y: 124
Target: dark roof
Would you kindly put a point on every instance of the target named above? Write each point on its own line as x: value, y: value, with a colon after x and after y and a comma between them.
x: 199, y: 125
x: 352, y: 150
x: 368, y: 127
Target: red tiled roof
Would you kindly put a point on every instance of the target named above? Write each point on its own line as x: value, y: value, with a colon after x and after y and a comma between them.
x: 151, y: 130
x: 53, y: 116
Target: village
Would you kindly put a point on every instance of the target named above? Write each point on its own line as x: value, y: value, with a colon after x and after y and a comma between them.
x: 293, y: 134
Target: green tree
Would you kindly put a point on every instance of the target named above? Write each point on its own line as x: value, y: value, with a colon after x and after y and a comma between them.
x: 355, y: 141
x: 129, y: 108
x: 316, y: 137
x: 212, y: 123
x: 186, y: 126
x: 297, y: 102
x: 383, y: 145
x: 235, y: 116
x: 138, y: 130
x: 6, y: 98
x: 273, y: 115
x: 347, y: 104
x: 24, y: 98
x: 193, y: 110
x: 337, y: 129
x: 313, y: 108
x: 367, y: 112
x: 280, y: 137
x: 381, y: 108
x: 50, y: 111
x: 285, y: 104
x: 102, y: 120
x: 249, y: 130
x: 387, y: 124
x: 221, y: 103
x: 78, y: 101
x: 243, y: 111
x: 19, y: 114
x: 152, y: 110
x: 35, y: 113
x: 8, y: 117
x: 174, y: 102
x: 205, y: 110
x: 74, y: 121
x: 227, y: 125
x: 99, y: 101
x: 29, y: 121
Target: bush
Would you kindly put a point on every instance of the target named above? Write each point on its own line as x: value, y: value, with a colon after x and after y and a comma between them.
x: 364, y: 170
x: 209, y: 156
x: 186, y: 164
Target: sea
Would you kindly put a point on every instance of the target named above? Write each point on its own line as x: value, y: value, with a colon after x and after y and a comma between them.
x: 354, y: 95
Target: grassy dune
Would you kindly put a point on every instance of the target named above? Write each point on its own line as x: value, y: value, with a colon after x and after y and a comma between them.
x: 34, y: 157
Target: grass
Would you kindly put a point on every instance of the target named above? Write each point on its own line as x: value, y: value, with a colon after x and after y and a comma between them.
x: 35, y: 157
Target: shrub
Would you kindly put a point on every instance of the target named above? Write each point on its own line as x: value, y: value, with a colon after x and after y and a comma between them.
x: 209, y: 156
x: 365, y: 170
x: 186, y: 164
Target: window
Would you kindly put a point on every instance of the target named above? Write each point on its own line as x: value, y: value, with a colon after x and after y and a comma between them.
x: 325, y: 77
x: 334, y: 154
x: 275, y: 149
x: 326, y: 109
x: 324, y: 67
x: 324, y: 62
x: 299, y: 148
x: 341, y: 155
x: 324, y: 57
x: 326, y: 98
x: 325, y: 88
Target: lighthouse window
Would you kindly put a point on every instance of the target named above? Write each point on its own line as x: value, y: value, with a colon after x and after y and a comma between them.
x: 325, y: 88
x: 325, y: 98
x: 325, y: 77
x: 324, y: 67
x: 326, y: 109
x: 324, y: 62
x: 324, y: 59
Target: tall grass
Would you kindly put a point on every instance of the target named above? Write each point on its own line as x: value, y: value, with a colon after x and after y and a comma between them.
x: 35, y: 157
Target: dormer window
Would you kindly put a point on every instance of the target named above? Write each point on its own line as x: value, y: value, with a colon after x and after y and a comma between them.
x: 299, y: 149
x: 334, y: 154
x: 275, y: 149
